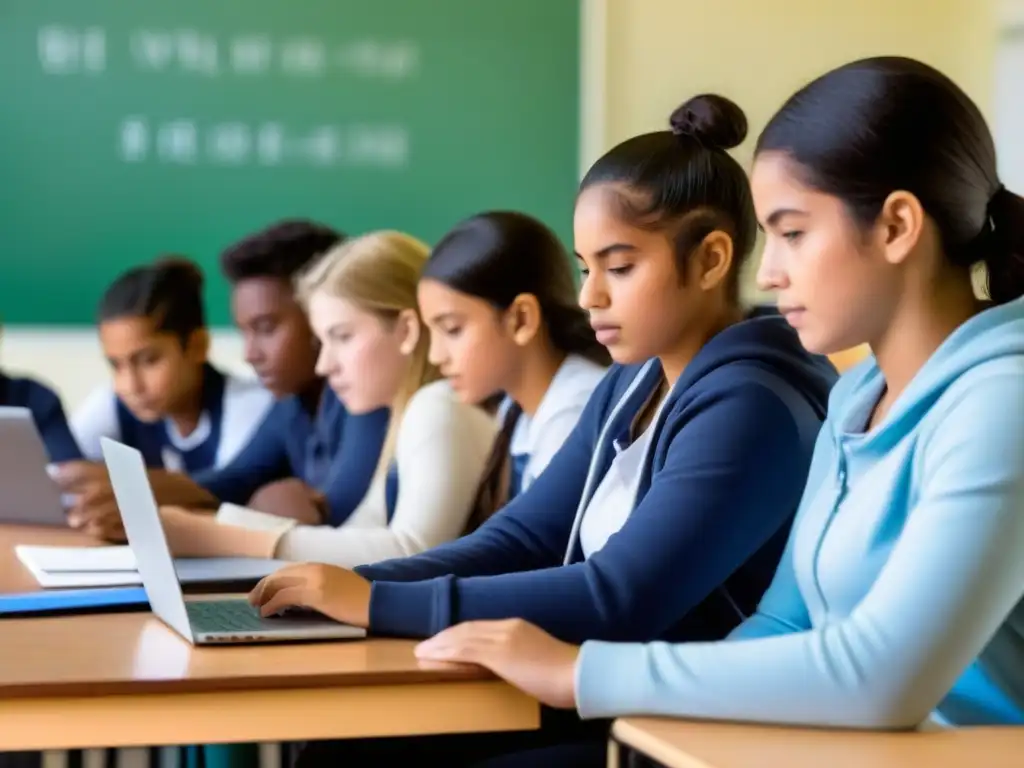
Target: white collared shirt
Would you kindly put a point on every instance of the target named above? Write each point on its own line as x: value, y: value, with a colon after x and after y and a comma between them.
x: 541, y: 436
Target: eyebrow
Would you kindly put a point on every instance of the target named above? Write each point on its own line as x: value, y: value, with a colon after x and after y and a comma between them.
x: 438, y: 319
x: 778, y: 213
x: 608, y: 250
x: 337, y: 328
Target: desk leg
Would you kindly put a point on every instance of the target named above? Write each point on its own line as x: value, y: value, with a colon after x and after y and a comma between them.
x: 613, y: 754
x: 623, y: 756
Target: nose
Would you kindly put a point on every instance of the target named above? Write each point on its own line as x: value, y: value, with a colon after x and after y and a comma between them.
x: 436, y: 354
x: 253, y: 351
x: 130, y: 381
x: 771, y: 275
x: 593, y: 294
x: 324, y: 363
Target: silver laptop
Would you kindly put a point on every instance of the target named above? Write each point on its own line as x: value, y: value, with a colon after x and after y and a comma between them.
x: 205, y: 622
x: 28, y: 494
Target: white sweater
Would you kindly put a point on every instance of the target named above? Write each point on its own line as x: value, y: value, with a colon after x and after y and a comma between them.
x: 441, y: 451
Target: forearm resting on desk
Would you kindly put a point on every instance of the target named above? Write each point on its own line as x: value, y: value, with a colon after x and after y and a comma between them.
x: 195, y: 533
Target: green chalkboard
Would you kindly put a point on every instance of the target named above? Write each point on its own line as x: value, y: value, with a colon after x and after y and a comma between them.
x: 135, y: 128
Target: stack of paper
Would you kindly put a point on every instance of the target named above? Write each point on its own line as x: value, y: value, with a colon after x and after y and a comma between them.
x: 114, y: 566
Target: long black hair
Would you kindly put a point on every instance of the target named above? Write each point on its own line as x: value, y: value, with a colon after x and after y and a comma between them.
x: 498, y: 255
x: 878, y: 125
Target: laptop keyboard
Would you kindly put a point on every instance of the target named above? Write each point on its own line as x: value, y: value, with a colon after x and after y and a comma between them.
x: 224, y: 616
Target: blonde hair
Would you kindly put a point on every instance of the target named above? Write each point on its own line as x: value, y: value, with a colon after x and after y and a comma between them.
x: 378, y: 272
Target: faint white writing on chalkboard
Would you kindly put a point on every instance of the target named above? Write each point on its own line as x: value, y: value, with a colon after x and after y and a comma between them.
x: 178, y: 142
x: 65, y: 50
x: 134, y: 139
x: 304, y: 56
x: 184, y: 142
x: 251, y: 54
x: 157, y: 51
x: 270, y: 142
x: 229, y: 144
x: 371, y: 58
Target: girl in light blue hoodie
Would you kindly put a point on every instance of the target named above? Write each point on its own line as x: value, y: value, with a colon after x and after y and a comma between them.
x: 900, y: 592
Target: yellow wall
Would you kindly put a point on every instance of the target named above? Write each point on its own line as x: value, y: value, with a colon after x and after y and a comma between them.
x: 757, y: 52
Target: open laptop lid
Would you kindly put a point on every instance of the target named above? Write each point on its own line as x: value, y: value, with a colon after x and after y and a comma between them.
x: 141, y: 519
x: 28, y: 494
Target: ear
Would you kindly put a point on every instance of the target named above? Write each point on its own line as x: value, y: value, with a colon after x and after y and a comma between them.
x: 409, y: 330
x: 900, y: 224
x: 713, y: 259
x: 197, y: 348
x: 524, y: 318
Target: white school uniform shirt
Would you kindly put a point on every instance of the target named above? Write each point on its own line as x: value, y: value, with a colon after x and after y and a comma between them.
x: 615, y: 497
x: 539, y: 438
x: 441, y: 452
x: 246, y: 402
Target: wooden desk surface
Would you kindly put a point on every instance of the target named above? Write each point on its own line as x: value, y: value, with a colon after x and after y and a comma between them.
x: 127, y: 679
x: 688, y: 744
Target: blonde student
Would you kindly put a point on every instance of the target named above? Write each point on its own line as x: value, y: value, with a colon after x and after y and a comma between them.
x: 361, y: 299
x: 901, y: 592
x: 165, y: 398
x: 499, y: 296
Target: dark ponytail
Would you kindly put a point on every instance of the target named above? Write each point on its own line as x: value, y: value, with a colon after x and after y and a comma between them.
x: 879, y: 125
x: 499, y: 255
x: 169, y: 292
x: 1003, y: 253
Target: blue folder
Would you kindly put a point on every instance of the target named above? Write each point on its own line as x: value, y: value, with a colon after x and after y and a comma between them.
x: 55, y: 602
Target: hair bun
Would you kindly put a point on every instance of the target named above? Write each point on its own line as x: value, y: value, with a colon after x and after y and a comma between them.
x: 714, y: 121
x: 178, y: 268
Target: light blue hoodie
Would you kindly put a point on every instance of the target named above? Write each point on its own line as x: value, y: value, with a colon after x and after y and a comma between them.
x: 901, y: 587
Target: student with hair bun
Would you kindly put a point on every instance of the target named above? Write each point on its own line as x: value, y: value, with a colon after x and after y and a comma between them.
x: 499, y: 296
x: 166, y: 399
x: 901, y: 593
x: 664, y: 514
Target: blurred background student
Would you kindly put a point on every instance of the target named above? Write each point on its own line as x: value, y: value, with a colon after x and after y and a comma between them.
x: 361, y: 300
x: 166, y: 399
x: 308, y: 459
x: 499, y: 296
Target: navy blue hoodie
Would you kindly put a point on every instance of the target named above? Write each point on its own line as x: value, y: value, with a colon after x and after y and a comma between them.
x: 717, y: 496
x: 332, y: 451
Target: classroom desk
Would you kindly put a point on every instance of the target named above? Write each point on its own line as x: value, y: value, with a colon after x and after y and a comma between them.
x: 689, y: 744
x: 127, y: 680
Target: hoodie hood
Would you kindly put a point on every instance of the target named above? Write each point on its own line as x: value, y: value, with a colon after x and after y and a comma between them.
x: 767, y: 341
x: 993, y: 334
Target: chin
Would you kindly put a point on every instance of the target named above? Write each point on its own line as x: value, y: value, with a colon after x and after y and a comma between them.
x: 147, y: 417
x: 357, y: 405
x: 624, y: 355
x: 817, y: 344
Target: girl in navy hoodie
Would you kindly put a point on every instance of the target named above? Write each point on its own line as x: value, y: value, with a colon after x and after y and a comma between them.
x: 666, y: 511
